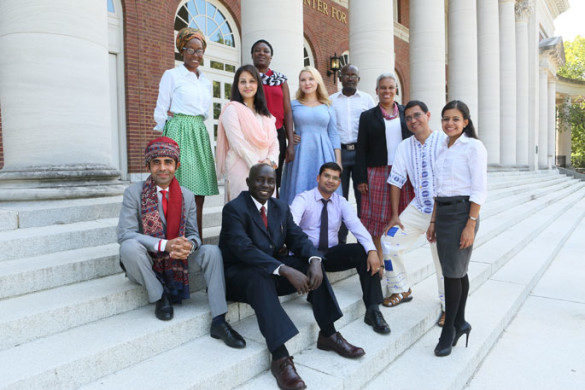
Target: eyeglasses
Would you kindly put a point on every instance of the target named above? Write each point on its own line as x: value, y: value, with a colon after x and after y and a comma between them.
x: 416, y: 116
x: 190, y: 51
x: 349, y: 76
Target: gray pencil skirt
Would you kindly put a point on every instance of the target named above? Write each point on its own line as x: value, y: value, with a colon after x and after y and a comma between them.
x: 451, y: 217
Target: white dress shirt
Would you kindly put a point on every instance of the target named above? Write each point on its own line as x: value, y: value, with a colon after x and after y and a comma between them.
x: 259, y: 206
x: 393, y: 137
x: 306, y: 210
x: 417, y: 162
x: 462, y: 169
x: 182, y: 92
x: 161, y: 246
x: 348, y: 110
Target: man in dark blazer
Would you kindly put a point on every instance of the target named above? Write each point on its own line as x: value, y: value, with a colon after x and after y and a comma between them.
x: 255, y: 227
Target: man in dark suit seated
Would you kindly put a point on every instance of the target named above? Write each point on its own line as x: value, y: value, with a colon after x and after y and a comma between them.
x: 160, y: 244
x: 255, y: 227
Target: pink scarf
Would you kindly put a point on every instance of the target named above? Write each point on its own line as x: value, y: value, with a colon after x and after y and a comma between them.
x: 260, y: 137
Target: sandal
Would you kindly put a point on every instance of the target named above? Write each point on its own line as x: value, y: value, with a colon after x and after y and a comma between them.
x: 441, y: 321
x: 398, y: 298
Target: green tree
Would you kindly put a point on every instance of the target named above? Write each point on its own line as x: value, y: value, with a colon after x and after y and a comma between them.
x: 574, y: 116
x: 574, y: 67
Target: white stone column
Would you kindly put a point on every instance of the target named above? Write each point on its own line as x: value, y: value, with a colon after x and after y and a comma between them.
x: 462, y: 47
x: 371, y: 40
x: 523, y: 10
x: 427, y: 56
x: 543, y: 119
x: 533, y: 87
x: 55, y: 99
x: 552, y: 122
x: 488, y: 36
x: 507, y: 83
x: 285, y: 34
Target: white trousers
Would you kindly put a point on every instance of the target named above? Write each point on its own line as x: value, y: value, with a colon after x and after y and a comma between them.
x: 415, y: 224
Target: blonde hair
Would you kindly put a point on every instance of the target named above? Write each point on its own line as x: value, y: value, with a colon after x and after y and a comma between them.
x: 322, y: 95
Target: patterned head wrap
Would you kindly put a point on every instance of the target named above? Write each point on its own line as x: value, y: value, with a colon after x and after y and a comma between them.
x: 161, y: 147
x: 186, y: 34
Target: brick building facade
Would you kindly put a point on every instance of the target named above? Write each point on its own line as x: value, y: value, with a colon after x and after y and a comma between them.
x: 148, y: 42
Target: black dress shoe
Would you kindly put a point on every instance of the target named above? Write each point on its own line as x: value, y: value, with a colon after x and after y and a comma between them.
x: 163, y: 309
x: 376, y: 320
x: 337, y: 343
x: 230, y: 337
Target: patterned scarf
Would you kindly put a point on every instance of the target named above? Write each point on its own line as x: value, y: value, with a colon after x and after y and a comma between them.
x: 172, y: 273
x: 389, y: 116
x: 273, y: 78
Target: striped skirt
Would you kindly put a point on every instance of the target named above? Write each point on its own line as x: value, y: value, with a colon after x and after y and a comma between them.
x: 197, y: 170
x: 376, y: 205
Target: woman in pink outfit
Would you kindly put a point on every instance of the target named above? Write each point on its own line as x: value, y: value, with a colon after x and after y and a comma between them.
x: 246, y: 133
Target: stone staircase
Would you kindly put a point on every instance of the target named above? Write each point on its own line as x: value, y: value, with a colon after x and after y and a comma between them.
x: 70, y: 319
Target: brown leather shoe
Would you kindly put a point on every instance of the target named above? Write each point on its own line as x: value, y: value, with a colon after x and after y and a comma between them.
x: 337, y: 343
x: 286, y: 375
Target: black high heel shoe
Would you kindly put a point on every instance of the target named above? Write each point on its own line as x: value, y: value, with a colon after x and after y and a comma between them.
x: 464, y: 330
x: 443, y: 348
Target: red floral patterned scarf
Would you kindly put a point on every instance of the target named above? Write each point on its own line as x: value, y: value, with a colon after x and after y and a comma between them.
x: 172, y: 273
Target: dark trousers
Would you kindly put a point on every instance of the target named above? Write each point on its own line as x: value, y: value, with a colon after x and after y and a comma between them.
x: 261, y: 290
x: 348, y: 162
x: 347, y: 256
x: 281, y: 133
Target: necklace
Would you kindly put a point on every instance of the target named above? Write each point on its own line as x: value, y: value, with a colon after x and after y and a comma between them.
x: 390, y: 116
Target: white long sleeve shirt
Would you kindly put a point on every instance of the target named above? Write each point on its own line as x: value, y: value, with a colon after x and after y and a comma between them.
x: 182, y: 92
x: 462, y: 169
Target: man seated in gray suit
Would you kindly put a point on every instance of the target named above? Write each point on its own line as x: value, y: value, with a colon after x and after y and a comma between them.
x: 160, y: 244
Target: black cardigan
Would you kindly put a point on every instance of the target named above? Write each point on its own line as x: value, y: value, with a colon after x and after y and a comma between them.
x: 371, y: 145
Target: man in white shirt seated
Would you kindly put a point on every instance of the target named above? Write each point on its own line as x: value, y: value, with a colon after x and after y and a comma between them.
x: 348, y: 104
x: 320, y: 213
x: 415, y: 158
x: 160, y: 243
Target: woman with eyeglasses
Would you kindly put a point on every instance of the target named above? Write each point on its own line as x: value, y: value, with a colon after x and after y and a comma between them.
x: 461, y: 189
x: 184, y: 100
x: 246, y: 135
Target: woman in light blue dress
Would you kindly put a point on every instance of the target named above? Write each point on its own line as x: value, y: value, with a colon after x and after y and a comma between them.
x: 315, y: 123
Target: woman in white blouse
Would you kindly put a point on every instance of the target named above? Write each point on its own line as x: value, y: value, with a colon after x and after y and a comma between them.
x: 184, y: 100
x: 461, y: 189
x: 247, y: 132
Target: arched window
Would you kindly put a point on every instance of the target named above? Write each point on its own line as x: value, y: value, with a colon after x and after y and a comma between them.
x: 308, y: 54
x: 203, y: 15
x: 222, y: 56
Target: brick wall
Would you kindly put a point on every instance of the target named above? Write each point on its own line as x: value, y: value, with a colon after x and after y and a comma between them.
x: 326, y: 34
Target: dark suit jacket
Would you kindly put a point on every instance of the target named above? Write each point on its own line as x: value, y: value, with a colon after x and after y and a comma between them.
x: 245, y: 240
x: 371, y: 148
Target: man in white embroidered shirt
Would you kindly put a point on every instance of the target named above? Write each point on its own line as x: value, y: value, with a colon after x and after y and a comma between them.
x: 415, y: 157
x: 319, y: 213
x: 348, y: 105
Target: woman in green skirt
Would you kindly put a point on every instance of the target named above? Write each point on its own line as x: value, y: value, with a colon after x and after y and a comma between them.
x: 185, y: 92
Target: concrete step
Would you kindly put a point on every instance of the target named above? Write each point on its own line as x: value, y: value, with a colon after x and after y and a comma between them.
x: 527, y: 217
x: 495, y: 183
x: 36, y: 241
x: 490, y: 308
x: 348, y: 293
x: 30, y: 274
x: 60, y: 212
x: 533, y: 187
x: 128, y: 338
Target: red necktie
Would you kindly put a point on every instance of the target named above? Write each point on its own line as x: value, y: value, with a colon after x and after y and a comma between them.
x: 165, y: 202
x: 263, y: 215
